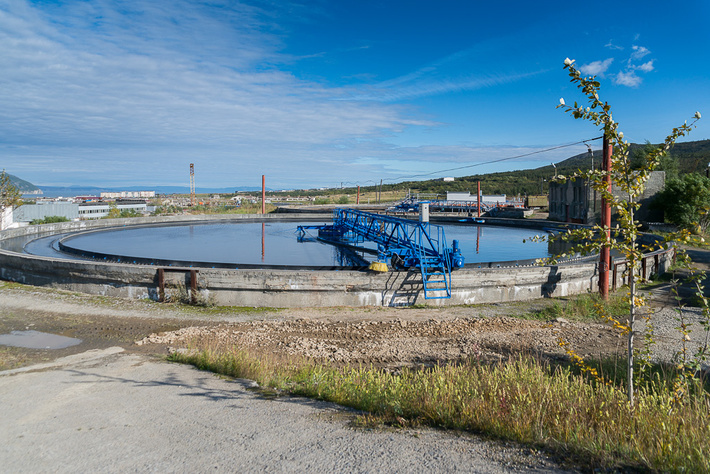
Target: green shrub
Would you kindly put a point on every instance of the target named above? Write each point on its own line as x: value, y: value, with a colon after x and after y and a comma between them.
x: 685, y: 201
x: 49, y: 220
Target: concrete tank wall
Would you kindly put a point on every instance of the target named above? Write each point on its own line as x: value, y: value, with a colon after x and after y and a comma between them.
x: 286, y: 288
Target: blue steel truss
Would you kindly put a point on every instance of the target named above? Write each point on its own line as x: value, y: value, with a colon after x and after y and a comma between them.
x: 405, y: 242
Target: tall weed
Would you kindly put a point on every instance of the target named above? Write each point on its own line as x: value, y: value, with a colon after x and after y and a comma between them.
x: 523, y: 399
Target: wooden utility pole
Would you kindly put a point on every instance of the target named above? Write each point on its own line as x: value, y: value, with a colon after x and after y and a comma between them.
x: 604, y: 254
x: 357, y: 201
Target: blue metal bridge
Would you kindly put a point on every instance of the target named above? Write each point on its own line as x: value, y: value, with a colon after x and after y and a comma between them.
x: 411, y: 205
x: 402, y: 242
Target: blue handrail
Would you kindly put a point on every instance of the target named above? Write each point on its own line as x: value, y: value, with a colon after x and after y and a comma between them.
x: 405, y: 242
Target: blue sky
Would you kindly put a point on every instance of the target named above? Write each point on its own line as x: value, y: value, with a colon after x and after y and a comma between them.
x: 129, y: 93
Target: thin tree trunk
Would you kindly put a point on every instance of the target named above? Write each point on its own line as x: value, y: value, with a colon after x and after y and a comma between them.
x: 632, y: 314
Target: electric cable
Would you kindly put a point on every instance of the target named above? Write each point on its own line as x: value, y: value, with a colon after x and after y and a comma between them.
x: 482, y: 163
x: 495, y: 161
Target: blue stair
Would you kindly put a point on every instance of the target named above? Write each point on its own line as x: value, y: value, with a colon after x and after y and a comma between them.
x: 436, y: 276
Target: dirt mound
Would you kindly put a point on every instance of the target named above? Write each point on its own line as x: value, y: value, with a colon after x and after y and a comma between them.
x: 398, y: 342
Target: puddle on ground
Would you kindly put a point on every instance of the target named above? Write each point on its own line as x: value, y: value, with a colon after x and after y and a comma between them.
x: 37, y: 340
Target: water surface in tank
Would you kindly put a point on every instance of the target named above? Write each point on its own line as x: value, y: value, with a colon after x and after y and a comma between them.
x: 277, y: 243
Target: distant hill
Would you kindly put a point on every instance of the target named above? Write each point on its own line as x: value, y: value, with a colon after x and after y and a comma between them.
x: 690, y: 157
x: 25, y: 187
x: 66, y: 191
x: 693, y: 157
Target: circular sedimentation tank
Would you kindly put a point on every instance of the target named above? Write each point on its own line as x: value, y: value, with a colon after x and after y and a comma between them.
x: 273, y: 244
x: 262, y: 261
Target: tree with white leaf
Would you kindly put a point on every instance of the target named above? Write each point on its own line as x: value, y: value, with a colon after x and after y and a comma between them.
x: 630, y: 180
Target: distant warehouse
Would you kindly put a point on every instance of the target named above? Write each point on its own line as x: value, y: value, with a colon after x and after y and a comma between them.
x: 468, y: 197
x: 73, y: 211
x: 128, y: 194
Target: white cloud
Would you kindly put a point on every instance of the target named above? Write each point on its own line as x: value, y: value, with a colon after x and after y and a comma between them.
x: 639, y: 52
x: 111, y: 92
x: 611, y: 45
x: 98, y: 83
x: 457, y: 72
x: 596, y: 68
x: 627, y: 78
x: 645, y: 67
x: 628, y: 75
x: 428, y: 85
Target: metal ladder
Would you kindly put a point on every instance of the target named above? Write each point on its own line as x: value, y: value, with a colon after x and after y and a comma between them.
x: 435, y: 269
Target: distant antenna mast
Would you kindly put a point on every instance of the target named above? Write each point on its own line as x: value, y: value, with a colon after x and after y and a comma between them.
x: 591, y: 154
x: 192, y: 184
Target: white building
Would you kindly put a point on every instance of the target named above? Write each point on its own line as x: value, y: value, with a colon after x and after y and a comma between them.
x: 6, y: 219
x: 72, y: 211
x: 97, y: 210
x: 467, y: 197
x: 129, y: 194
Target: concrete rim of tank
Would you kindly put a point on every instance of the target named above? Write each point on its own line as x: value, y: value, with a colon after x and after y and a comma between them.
x: 288, y: 287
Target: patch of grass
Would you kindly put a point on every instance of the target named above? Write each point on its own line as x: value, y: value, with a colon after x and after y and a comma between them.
x: 524, y: 400
x: 179, y: 293
x: 11, y: 358
x: 583, y: 307
x: 11, y: 285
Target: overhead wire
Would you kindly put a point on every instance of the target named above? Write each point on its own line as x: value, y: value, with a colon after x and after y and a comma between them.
x: 496, y: 161
x: 489, y: 162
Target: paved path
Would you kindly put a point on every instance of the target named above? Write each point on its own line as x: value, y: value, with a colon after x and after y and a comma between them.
x: 108, y: 411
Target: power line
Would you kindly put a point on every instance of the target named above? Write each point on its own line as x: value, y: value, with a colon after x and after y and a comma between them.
x: 495, y: 161
x: 483, y: 163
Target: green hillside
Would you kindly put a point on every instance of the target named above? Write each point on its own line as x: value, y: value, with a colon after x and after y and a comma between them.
x: 684, y: 157
x: 22, y: 185
x: 691, y: 157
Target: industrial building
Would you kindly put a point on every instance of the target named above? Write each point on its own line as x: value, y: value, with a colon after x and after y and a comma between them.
x: 576, y: 201
x: 128, y: 194
x: 74, y: 211
x: 491, y: 199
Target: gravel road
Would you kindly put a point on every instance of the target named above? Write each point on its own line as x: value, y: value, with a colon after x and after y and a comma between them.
x: 109, y: 411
